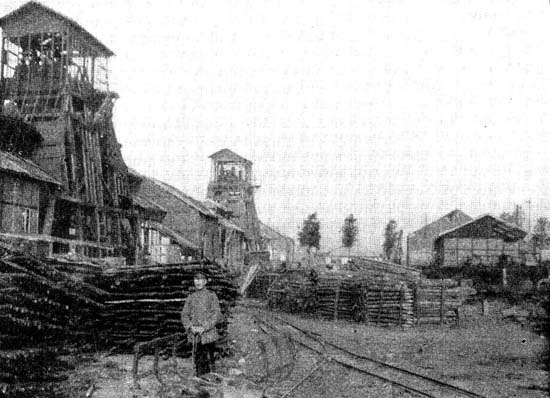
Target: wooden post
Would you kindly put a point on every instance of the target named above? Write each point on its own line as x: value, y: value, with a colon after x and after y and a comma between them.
x: 380, y: 303
x: 504, y: 278
x: 156, y: 360
x: 442, y: 303
x: 408, y: 258
x: 49, y: 216
x: 401, y: 297
x: 337, y: 299
x: 4, y: 41
x: 415, y: 304
x: 456, y: 248
x: 485, y: 307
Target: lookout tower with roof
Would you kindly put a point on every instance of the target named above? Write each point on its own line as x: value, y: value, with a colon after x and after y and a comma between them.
x: 54, y: 75
x: 232, y: 184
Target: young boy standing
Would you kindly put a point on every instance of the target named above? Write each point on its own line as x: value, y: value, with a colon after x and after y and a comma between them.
x: 199, y: 316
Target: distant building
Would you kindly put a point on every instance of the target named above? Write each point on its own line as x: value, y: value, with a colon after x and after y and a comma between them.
x: 420, y: 244
x: 487, y: 240
x: 279, y: 246
x: 232, y: 184
x: 189, y: 228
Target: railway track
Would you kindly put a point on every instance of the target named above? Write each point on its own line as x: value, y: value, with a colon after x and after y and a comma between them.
x: 413, y: 383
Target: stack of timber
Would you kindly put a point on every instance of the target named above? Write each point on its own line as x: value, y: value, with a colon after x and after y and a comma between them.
x: 259, y: 286
x: 337, y: 296
x: 387, y: 304
x: 347, y: 296
x: 146, y: 301
x: 383, y: 270
x: 30, y: 373
x: 40, y: 304
x: 438, y: 300
x: 294, y: 291
x: 81, y: 270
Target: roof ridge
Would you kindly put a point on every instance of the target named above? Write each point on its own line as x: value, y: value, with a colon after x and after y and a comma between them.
x: 60, y: 15
x: 194, y: 202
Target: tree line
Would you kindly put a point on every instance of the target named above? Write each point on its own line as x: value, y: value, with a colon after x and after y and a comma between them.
x: 309, y: 236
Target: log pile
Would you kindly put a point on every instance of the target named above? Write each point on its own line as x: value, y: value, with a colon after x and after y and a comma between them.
x: 387, y: 304
x: 438, y: 301
x: 337, y: 297
x: 260, y: 285
x: 40, y: 304
x: 379, y: 270
x: 146, y: 302
x: 31, y: 372
x: 368, y: 297
x: 294, y: 292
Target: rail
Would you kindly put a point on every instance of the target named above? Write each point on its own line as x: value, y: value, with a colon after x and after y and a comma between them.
x: 409, y: 387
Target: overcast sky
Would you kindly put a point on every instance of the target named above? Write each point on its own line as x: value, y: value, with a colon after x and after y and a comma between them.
x: 383, y: 109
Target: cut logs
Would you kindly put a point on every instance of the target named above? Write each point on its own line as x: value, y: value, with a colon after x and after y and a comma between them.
x: 366, y: 296
x: 146, y: 301
x: 40, y: 304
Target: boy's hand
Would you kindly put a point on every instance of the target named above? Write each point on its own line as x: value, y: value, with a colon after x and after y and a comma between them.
x: 197, y: 329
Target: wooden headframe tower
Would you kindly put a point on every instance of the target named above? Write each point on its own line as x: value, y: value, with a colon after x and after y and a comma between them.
x: 54, y: 75
x: 232, y: 184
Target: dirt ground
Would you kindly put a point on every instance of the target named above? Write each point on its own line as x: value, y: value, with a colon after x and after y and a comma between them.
x: 486, y: 354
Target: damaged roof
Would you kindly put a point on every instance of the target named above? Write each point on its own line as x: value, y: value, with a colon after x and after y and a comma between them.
x: 18, y: 165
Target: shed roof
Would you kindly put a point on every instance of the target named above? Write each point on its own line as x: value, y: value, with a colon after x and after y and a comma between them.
x: 269, y: 233
x: 18, y: 165
x: 145, y: 203
x: 176, y: 193
x: 486, y: 226
x: 176, y: 236
x: 36, y: 6
x: 450, y: 220
x: 227, y: 155
x: 196, y: 204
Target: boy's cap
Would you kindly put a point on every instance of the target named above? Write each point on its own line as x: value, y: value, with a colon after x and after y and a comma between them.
x: 200, y: 275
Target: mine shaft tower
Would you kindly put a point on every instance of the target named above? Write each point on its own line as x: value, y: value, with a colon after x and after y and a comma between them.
x: 232, y: 184
x: 54, y: 75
